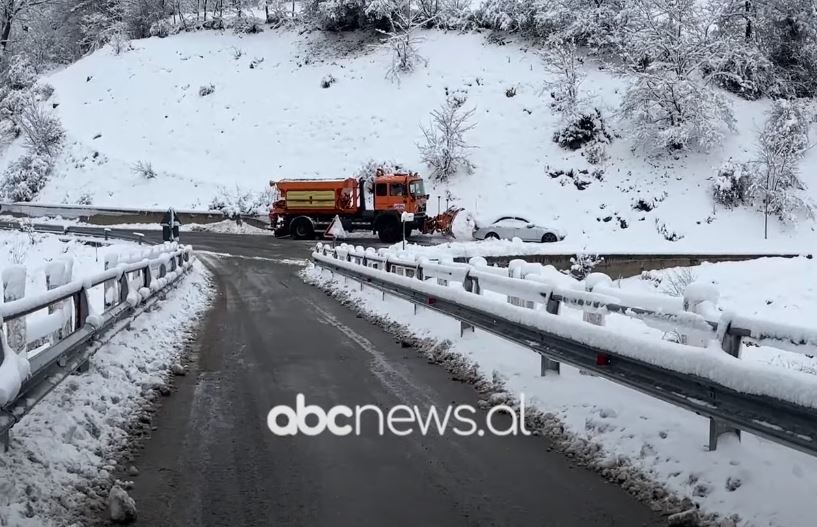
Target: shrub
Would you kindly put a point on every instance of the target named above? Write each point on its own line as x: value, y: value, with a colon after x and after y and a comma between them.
x: 24, y: 178
x: 248, y: 25
x: 162, y: 29
x: 583, y: 264
x: 675, y: 283
x: 42, y: 129
x: 204, y: 91
x: 214, y: 23
x: 327, y: 81
x: 596, y: 152
x: 44, y: 91
x: 744, y: 71
x: 337, y: 15
x: 731, y: 186
x: 20, y: 74
x: 586, y: 127
x: 445, y: 149
x: 240, y: 201
x: 144, y: 169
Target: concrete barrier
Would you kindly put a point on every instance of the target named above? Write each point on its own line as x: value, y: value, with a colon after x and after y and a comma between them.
x: 117, y: 216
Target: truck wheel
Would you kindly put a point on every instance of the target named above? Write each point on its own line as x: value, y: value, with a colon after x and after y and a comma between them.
x: 389, y: 230
x: 301, y: 229
x: 549, y: 237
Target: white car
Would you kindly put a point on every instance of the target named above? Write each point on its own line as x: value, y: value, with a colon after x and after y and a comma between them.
x: 509, y: 227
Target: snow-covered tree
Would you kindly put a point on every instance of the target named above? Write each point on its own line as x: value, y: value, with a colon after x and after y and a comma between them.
x: 670, y: 101
x: 672, y: 111
x: 563, y: 66
x: 24, y: 178
x: 775, y: 183
x: 445, y: 150
x: 507, y: 15
x: 337, y: 15
x: 401, y: 36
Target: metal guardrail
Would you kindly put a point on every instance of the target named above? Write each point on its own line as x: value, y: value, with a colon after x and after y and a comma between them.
x: 66, y: 347
x: 89, y: 232
x: 706, y: 390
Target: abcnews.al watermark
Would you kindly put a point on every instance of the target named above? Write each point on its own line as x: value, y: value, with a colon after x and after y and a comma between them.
x: 399, y: 420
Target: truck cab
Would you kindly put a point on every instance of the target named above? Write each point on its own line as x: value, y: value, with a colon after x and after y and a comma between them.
x: 400, y: 192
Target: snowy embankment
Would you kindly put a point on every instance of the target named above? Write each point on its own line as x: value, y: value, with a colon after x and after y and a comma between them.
x: 147, y: 108
x: 64, y: 453
x: 762, y: 482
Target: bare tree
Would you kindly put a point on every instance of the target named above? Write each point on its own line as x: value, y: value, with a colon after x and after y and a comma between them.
x: 9, y: 11
x: 402, y: 37
x: 445, y: 149
x: 564, y: 66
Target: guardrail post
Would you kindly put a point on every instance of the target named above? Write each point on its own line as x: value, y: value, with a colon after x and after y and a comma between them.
x: 591, y: 281
x: 146, y: 276
x: 107, y: 233
x: 124, y: 287
x: 14, y: 288
x: 56, y: 275
x: 718, y: 428
x: 470, y: 284
x: 515, y: 270
x: 139, y: 236
x: 547, y: 364
x: 730, y: 344
x: 698, y: 298
x: 109, y: 286
x: 81, y: 308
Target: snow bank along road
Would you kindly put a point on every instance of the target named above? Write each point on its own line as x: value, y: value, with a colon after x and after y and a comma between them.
x: 213, y: 461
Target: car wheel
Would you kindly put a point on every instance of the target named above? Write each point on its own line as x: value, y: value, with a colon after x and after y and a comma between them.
x: 549, y: 237
x: 492, y: 236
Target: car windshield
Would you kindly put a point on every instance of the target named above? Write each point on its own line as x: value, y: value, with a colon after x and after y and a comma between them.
x: 417, y: 188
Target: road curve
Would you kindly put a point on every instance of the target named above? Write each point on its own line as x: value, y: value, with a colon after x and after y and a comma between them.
x: 213, y: 461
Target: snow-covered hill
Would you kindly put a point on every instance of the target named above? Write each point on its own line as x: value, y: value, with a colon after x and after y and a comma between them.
x: 268, y: 118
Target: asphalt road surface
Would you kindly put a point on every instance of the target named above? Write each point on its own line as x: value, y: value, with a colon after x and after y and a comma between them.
x: 214, y: 462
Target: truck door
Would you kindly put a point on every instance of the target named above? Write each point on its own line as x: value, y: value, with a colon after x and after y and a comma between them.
x: 380, y: 191
x: 399, y: 194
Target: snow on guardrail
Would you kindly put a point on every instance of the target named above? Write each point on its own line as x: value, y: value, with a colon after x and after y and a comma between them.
x: 707, y: 361
x: 65, y: 310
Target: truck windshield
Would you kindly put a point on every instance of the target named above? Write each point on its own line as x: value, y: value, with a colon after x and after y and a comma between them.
x: 417, y: 188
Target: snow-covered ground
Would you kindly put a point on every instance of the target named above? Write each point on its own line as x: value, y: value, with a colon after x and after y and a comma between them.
x: 764, y: 483
x: 63, y: 454
x: 269, y: 118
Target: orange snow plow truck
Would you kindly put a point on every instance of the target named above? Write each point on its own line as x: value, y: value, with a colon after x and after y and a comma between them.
x: 306, y: 208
